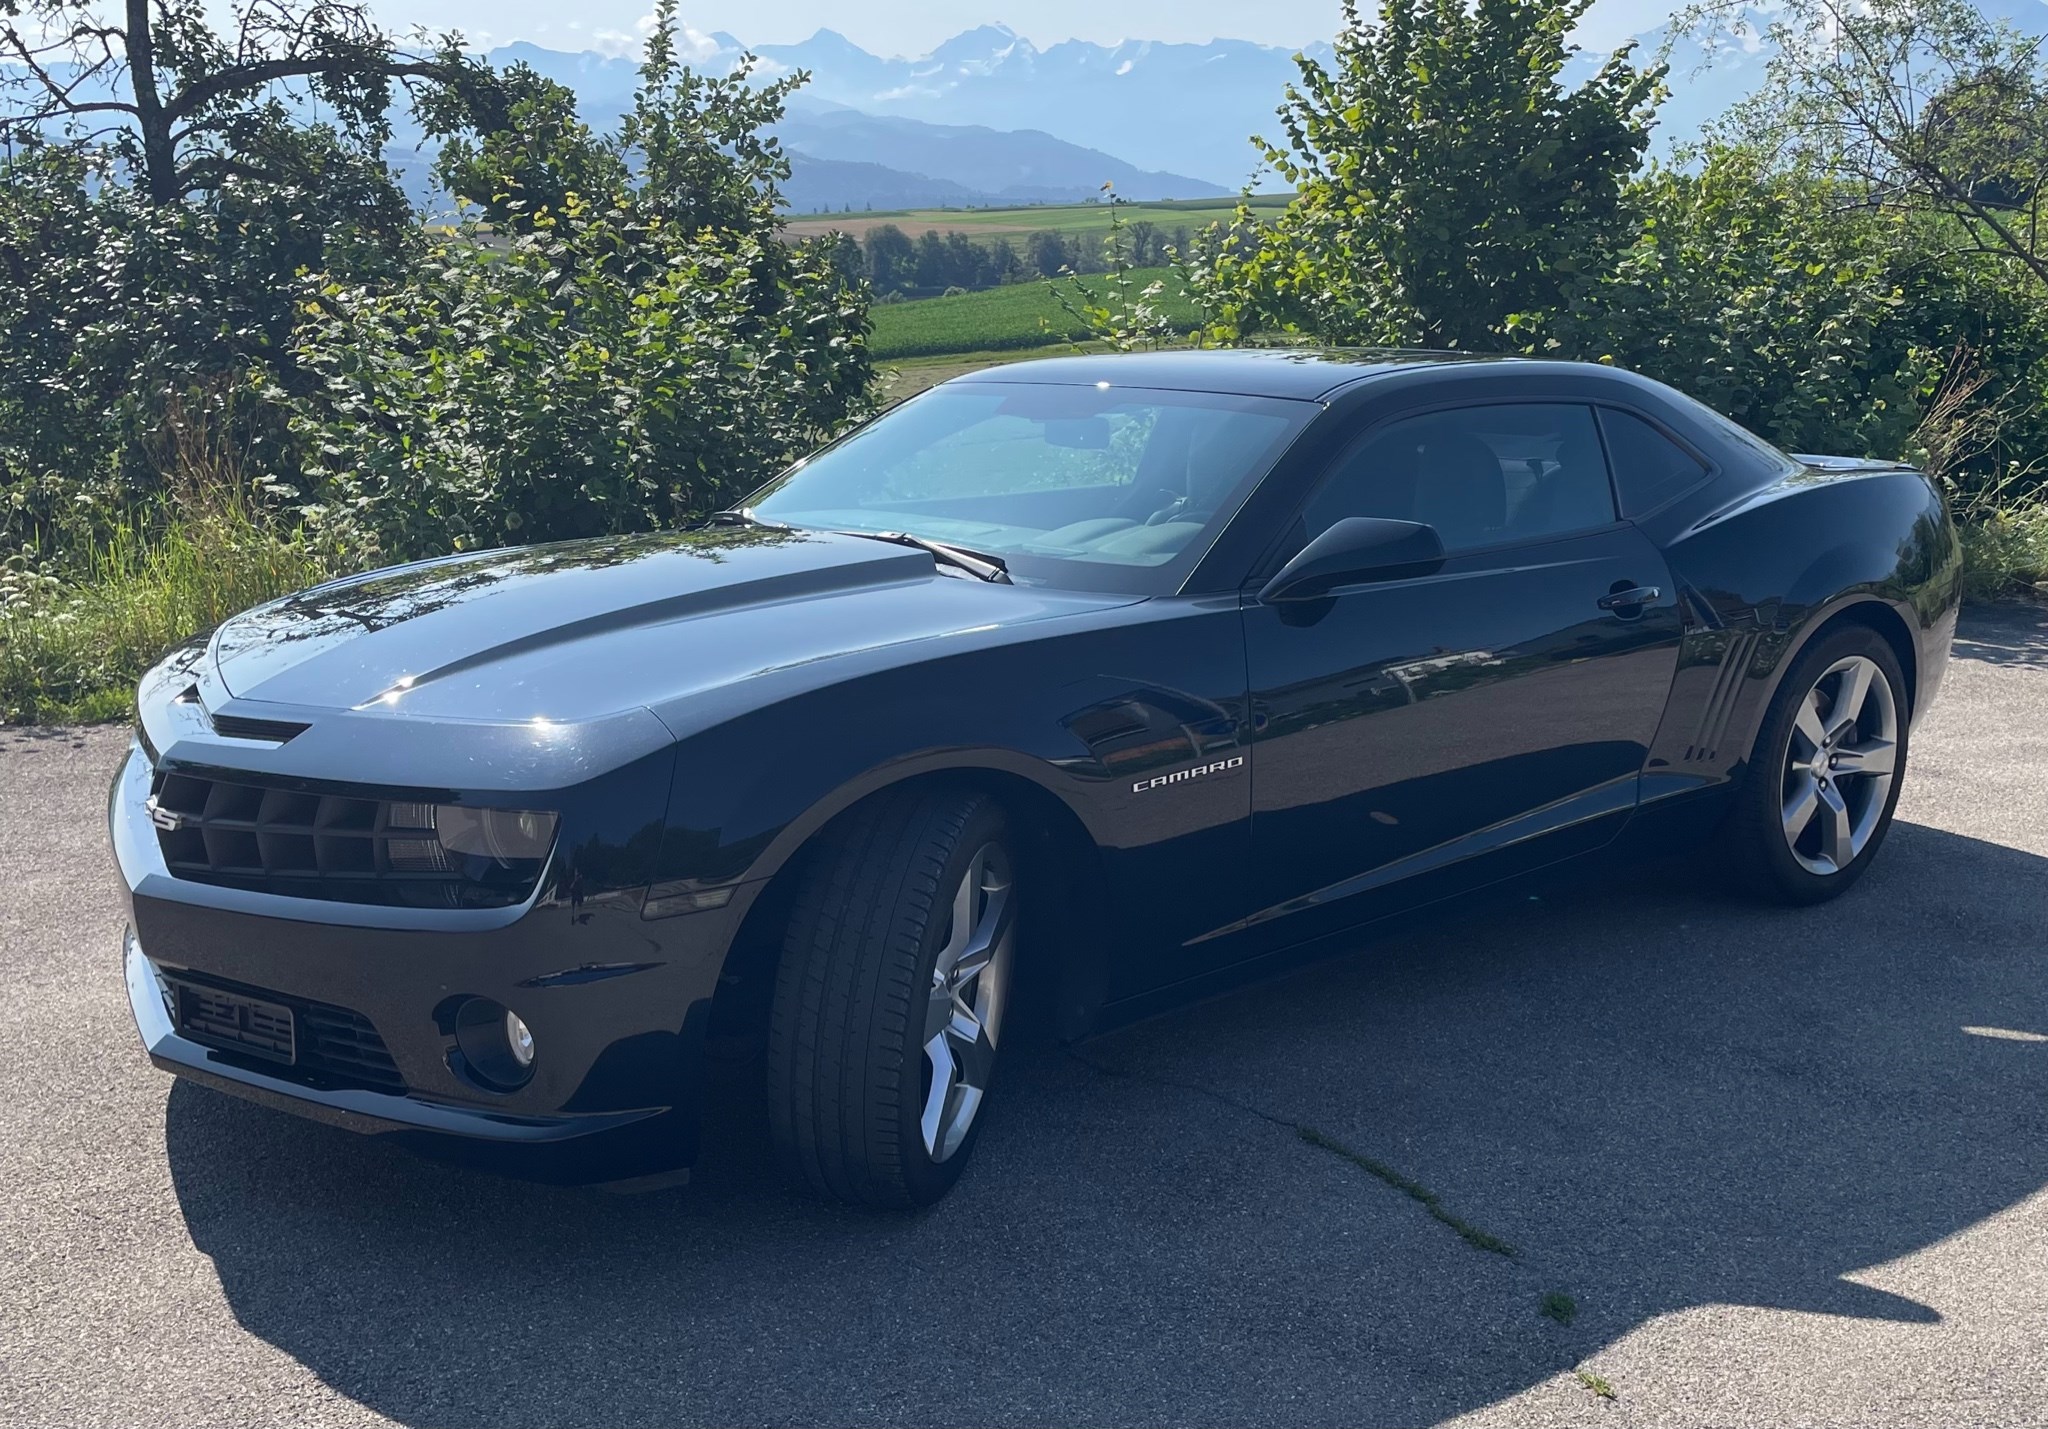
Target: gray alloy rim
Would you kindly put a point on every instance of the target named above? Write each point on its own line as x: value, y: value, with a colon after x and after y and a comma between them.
x: 1840, y: 765
x: 970, y: 987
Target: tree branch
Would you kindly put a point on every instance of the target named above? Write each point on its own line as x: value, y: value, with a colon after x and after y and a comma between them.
x: 256, y: 75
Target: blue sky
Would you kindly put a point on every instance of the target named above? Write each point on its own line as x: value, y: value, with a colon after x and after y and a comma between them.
x: 912, y: 27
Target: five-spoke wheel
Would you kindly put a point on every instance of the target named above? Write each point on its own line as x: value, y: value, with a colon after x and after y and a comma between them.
x: 1823, y: 779
x: 1839, y: 764
x: 970, y: 983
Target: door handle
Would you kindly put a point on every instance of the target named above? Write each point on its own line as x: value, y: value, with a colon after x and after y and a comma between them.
x: 1632, y: 595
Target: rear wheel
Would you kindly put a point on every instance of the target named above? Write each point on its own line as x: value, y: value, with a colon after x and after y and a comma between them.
x: 891, y: 996
x: 1817, y: 799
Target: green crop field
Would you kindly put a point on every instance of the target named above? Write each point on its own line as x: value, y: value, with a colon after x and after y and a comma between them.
x: 1080, y: 218
x: 998, y: 319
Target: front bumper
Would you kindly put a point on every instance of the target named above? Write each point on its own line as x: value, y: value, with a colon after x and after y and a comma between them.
x: 618, y: 1008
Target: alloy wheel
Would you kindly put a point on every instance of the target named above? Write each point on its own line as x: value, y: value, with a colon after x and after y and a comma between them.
x: 970, y: 987
x: 1839, y: 765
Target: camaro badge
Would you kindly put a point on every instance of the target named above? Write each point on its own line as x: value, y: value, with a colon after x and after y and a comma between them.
x: 169, y: 820
x: 1181, y: 776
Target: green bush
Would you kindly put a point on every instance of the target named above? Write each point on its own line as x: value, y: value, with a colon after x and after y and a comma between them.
x: 633, y: 358
x: 606, y: 373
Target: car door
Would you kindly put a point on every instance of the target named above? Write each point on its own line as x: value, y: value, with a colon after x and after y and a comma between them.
x: 1417, y: 736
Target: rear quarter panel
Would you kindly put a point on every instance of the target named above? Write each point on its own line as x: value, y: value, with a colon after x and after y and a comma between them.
x: 1764, y: 573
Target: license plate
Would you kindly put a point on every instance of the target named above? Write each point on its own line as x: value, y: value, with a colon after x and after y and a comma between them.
x: 232, y: 1021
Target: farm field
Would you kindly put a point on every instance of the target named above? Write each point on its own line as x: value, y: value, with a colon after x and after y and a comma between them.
x: 1017, y: 315
x: 1083, y: 218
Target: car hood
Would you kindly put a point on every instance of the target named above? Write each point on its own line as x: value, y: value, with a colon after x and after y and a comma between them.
x: 577, y: 631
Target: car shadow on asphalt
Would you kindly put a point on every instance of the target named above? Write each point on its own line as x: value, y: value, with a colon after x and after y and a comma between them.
x: 2010, y: 633
x: 1247, y: 1210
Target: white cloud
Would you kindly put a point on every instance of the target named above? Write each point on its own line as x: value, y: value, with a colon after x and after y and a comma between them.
x: 693, y: 45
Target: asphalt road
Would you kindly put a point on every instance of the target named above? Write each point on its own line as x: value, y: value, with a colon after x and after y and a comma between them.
x: 1788, y: 1167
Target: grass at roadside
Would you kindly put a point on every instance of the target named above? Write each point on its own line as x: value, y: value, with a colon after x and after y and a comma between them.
x: 72, y: 646
x: 1017, y: 316
x: 2006, y: 552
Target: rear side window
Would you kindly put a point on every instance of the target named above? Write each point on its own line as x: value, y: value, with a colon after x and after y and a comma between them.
x: 1649, y: 468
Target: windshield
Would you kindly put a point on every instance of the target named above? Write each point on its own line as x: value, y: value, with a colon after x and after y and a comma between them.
x: 1089, y: 487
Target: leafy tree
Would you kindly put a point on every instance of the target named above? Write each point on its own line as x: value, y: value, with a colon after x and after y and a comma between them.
x: 514, y: 146
x: 634, y: 358
x: 1761, y: 292
x: 190, y: 109
x: 1046, y: 253
x: 167, y: 183
x: 1927, y: 106
x: 1447, y: 179
x: 891, y: 259
x: 934, y: 265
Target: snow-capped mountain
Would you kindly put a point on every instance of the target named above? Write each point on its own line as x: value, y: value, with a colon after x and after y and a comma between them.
x: 1164, y: 109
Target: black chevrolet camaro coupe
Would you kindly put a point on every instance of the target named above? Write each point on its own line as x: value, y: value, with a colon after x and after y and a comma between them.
x: 1126, y: 675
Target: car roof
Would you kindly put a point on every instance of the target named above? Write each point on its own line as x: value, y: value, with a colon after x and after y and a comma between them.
x: 1304, y: 374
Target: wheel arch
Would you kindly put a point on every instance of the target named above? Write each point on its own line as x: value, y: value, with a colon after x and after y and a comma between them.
x: 1864, y: 609
x: 1064, y: 880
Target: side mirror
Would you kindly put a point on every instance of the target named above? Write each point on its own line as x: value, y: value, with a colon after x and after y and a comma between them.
x: 1355, y: 551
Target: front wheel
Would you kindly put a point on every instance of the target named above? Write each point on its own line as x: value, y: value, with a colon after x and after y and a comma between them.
x: 891, y: 995
x: 1817, y: 798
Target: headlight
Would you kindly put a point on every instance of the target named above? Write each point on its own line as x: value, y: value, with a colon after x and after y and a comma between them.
x: 507, y: 835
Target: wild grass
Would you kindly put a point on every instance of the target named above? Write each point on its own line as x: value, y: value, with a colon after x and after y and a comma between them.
x: 74, y: 636
x: 2005, y: 551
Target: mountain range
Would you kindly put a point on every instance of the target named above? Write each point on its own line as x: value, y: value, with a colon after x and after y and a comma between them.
x: 989, y: 119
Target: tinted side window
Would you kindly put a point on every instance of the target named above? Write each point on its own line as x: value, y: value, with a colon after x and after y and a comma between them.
x: 1480, y: 475
x: 1649, y: 467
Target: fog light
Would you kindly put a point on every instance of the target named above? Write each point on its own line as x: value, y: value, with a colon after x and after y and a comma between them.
x: 496, y: 1045
x: 519, y: 1038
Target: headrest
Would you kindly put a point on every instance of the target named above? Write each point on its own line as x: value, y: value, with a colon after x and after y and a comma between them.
x: 1460, y: 489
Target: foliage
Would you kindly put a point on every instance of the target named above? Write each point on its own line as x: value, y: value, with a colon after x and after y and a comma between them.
x: 1446, y: 180
x: 513, y: 145
x: 165, y: 185
x: 1928, y: 106
x: 1761, y: 293
x: 632, y: 359
x: 114, y: 311
x: 2005, y: 551
x: 1125, y: 310
x: 189, y: 110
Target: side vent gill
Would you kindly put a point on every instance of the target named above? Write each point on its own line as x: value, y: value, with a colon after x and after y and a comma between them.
x: 1720, y: 706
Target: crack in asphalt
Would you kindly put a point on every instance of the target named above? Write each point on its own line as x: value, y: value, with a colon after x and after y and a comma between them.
x: 1472, y: 1235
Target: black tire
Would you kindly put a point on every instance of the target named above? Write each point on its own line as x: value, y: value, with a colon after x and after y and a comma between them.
x: 847, y: 1070
x: 1753, y: 838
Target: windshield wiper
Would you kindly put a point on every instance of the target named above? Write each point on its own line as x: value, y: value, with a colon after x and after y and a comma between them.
x: 976, y: 563
x: 979, y: 564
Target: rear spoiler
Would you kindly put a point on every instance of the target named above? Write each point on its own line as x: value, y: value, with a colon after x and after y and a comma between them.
x: 1847, y: 464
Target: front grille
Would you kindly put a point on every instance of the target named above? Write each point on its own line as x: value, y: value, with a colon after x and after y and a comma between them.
x: 333, y: 1047
x: 338, y: 847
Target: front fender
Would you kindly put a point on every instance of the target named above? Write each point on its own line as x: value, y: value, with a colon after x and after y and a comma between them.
x: 1083, y: 718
